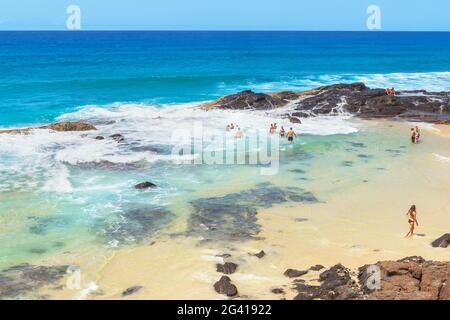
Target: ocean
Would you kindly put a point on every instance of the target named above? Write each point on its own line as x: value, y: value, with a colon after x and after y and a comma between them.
x: 69, y: 198
x: 46, y: 74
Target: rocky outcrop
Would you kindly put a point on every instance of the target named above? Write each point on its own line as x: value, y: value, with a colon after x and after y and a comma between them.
x: 335, y: 284
x: 225, y: 287
x: 118, y: 137
x: 247, y: 100
x: 411, y: 278
x: 227, y: 267
x: 69, y: 126
x: 441, y: 242
x: 293, y: 273
x: 59, y: 126
x: 145, y: 185
x: 354, y: 98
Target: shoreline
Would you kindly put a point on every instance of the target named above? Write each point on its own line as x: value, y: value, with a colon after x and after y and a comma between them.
x: 352, y: 224
x: 292, y: 236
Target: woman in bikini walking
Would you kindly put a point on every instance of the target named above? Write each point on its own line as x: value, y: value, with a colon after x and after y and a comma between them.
x: 412, y: 219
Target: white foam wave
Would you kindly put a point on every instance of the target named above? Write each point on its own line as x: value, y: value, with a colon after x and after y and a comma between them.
x: 38, y: 160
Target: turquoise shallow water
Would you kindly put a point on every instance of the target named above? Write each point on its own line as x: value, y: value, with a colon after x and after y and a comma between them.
x: 78, y: 204
x: 66, y: 191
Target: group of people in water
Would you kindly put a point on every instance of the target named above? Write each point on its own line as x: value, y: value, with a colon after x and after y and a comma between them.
x: 415, y: 135
x: 233, y: 126
x: 390, y: 91
x: 290, y: 134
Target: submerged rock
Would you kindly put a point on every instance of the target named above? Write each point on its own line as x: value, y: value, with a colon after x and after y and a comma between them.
x: 225, y: 287
x: 227, y: 267
x: 135, y: 225
x: 441, y: 242
x: 118, y: 137
x: 145, y: 185
x: 234, y: 216
x: 22, y: 280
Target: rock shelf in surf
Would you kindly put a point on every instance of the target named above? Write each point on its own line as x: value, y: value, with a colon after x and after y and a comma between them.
x: 58, y: 126
x: 354, y: 98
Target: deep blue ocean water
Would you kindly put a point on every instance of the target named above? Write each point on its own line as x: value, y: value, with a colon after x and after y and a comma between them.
x: 46, y: 74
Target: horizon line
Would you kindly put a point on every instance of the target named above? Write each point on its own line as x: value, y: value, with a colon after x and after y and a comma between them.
x: 214, y: 30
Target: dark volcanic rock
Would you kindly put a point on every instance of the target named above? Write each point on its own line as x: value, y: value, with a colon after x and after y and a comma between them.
x: 410, y: 278
x: 294, y: 120
x: 59, y: 126
x: 277, y: 291
x: 247, y: 100
x: 145, y: 185
x: 99, y: 138
x: 317, y: 267
x: 227, y: 267
x: 260, y: 254
x: 286, y: 95
x: 131, y: 290
x: 354, y: 98
x: 224, y: 286
x: 118, y: 137
x: 442, y: 241
x: 292, y: 273
x: 360, y: 100
x: 336, y: 284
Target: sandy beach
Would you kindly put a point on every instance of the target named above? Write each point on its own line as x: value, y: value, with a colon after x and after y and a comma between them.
x: 360, y: 223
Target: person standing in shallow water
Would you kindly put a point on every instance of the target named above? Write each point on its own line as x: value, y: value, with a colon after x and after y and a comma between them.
x: 412, y: 220
x: 413, y: 135
x: 417, y: 131
x: 238, y: 133
x: 291, y: 134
